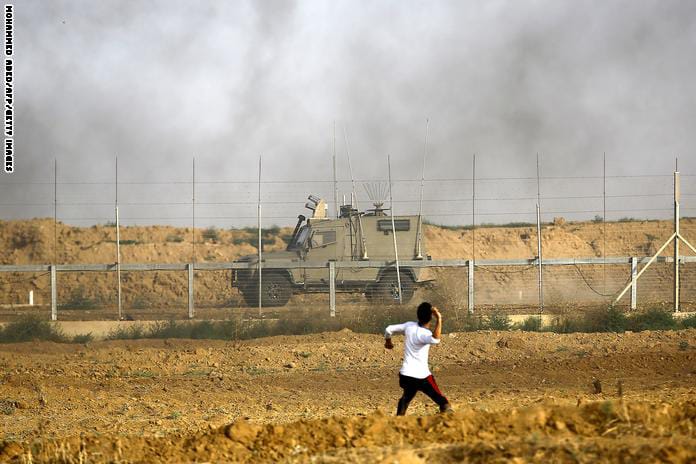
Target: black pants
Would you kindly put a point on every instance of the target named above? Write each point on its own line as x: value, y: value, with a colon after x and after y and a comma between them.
x: 412, y: 386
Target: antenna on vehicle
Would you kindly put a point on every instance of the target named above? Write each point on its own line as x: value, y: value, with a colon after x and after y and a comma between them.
x: 377, y: 193
x: 354, y: 197
x: 419, y: 232
x: 337, y: 211
x: 393, y: 227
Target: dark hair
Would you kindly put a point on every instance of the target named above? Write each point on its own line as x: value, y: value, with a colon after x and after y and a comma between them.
x: 424, y: 312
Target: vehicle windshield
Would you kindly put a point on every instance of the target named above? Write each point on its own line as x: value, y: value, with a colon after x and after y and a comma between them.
x: 300, y: 239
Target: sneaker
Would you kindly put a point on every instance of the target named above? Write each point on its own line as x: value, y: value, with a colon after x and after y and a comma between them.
x: 446, y: 409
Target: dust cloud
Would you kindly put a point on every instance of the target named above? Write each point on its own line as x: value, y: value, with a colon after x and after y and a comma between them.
x: 160, y: 82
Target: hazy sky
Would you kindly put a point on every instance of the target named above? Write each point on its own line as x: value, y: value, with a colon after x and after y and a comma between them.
x: 157, y: 82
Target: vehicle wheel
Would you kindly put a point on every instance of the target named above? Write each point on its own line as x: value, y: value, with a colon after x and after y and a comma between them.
x: 275, y: 291
x: 387, y: 289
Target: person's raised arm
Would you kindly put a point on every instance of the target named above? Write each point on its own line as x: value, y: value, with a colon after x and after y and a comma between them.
x: 391, y: 330
x: 438, y: 323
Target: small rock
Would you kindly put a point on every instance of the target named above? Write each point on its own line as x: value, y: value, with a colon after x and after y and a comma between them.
x: 289, y: 365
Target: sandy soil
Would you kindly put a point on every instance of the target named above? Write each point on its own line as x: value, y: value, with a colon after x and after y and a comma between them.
x: 520, y: 397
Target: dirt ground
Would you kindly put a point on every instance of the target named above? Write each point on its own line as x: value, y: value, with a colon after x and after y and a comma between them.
x: 519, y: 397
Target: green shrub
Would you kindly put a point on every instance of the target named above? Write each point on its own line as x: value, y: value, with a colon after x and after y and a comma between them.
x: 82, y: 338
x: 127, y: 333
x: 370, y: 320
x: 254, y: 231
x: 652, y: 319
x: 218, y: 330
x: 79, y: 300
x: 208, y: 330
x: 211, y: 234
x: 688, y: 322
x: 253, y: 241
x: 515, y: 224
x: 610, y: 319
x: 565, y: 324
x: 468, y: 323
x: 314, y: 325
x: 124, y: 242
x: 30, y: 328
x: 498, y: 321
x: 174, y: 238
x: 169, y: 329
x: 26, y: 236
x: 240, y: 240
x: 531, y: 324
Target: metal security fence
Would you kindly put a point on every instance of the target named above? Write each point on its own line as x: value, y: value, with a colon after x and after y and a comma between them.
x: 199, y: 255
x: 215, y: 290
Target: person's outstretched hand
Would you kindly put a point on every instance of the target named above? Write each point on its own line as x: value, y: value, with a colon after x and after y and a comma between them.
x: 388, y: 343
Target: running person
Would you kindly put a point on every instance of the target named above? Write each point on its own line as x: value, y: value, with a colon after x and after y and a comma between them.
x: 415, y: 375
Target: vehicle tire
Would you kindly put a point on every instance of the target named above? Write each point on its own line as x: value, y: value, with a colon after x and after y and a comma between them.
x: 386, y: 290
x: 275, y: 291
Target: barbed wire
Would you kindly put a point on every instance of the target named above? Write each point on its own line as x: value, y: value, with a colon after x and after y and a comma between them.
x: 454, y: 206
x: 346, y: 181
x: 426, y: 214
x: 289, y: 202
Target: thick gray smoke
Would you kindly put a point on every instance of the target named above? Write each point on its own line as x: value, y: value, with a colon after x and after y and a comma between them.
x: 161, y: 81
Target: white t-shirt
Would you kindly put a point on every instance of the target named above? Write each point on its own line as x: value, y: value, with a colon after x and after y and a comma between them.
x: 416, y: 348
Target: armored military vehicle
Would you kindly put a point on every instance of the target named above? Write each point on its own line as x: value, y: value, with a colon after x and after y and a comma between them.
x: 353, y: 236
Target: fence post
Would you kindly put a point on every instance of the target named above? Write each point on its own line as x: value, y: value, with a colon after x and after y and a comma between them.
x: 332, y: 288
x: 470, y: 286
x: 189, y: 267
x: 634, y: 282
x: 54, y: 294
